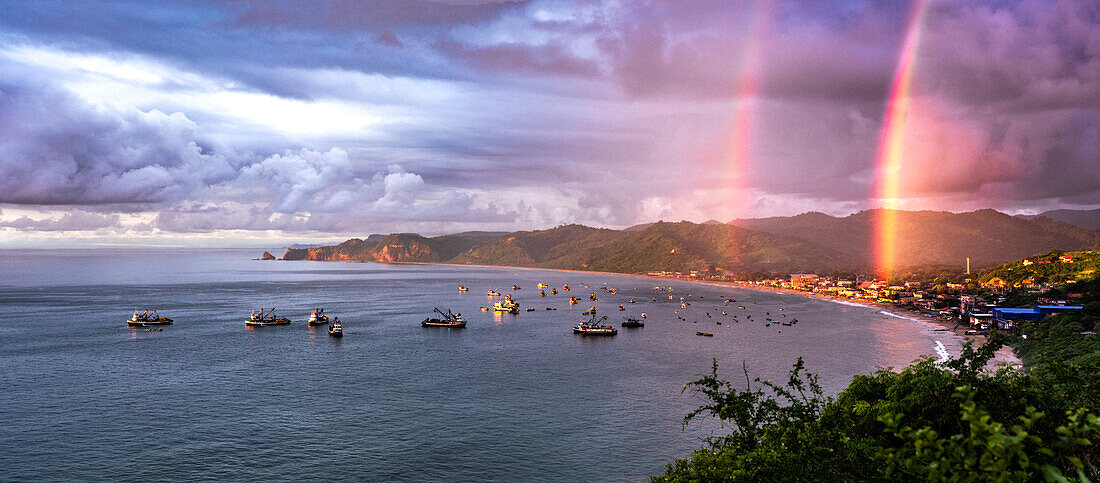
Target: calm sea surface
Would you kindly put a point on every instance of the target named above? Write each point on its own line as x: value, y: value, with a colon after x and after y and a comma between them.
x: 512, y: 397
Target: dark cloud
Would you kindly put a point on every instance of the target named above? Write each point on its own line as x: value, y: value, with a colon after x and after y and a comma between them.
x: 57, y: 150
x: 378, y: 15
x: 551, y: 58
x: 517, y: 115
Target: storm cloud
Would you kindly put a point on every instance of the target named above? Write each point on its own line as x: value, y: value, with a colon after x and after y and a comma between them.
x: 432, y: 116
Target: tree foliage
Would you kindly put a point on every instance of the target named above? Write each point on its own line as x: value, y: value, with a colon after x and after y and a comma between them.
x: 956, y: 421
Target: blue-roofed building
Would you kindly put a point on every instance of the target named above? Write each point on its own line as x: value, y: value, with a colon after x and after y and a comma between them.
x: 1008, y: 318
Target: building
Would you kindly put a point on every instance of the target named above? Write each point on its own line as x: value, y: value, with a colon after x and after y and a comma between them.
x: 1008, y: 318
x: 800, y: 280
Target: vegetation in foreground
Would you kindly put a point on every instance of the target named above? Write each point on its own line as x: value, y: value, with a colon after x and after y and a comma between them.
x: 930, y: 421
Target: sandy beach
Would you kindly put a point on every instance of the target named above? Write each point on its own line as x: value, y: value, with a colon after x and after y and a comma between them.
x: 1005, y: 355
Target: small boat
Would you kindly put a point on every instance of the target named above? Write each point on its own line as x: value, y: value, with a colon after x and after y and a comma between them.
x: 450, y: 319
x: 551, y: 308
x: 530, y: 309
x: 565, y: 287
x: 507, y: 305
x: 463, y: 288
x: 705, y: 334
x: 593, y: 327
x: 553, y: 291
x: 515, y: 287
x: 146, y: 319
x: 593, y: 297
x: 492, y: 293
x: 317, y: 317
x: 336, y: 329
x: 485, y: 309
x: 621, y: 308
x: 503, y: 307
x: 264, y: 319
x: 542, y: 293
x: 632, y: 322
x: 543, y: 285
x: 573, y: 301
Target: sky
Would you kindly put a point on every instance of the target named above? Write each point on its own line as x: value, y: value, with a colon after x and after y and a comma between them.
x: 217, y: 123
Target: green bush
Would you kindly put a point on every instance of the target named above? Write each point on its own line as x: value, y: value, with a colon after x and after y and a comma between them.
x: 953, y: 421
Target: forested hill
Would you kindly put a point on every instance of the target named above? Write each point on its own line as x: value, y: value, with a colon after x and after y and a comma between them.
x: 809, y: 242
x: 987, y: 237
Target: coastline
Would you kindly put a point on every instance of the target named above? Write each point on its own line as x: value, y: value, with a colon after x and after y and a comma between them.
x: 1004, y: 356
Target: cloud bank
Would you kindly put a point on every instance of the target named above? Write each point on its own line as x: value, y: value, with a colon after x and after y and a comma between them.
x: 345, y: 117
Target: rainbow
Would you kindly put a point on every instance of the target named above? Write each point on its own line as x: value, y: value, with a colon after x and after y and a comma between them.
x: 887, y: 192
x: 738, y: 157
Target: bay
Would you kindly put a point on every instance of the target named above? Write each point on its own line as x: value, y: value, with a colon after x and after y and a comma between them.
x: 512, y: 397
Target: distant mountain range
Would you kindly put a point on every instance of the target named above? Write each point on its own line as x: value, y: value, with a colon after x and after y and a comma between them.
x: 1087, y: 219
x: 807, y: 242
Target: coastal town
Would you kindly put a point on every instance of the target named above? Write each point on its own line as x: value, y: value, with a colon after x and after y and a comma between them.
x: 976, y: 303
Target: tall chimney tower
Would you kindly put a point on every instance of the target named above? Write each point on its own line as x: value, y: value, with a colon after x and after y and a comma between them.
x: 968, y: 265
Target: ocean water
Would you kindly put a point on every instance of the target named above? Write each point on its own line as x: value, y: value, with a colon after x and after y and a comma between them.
x: 512, y: 397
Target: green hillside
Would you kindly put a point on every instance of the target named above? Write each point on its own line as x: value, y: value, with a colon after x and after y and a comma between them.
x: 811, y: 242
x: 1053, y: 267
x: 987, y: 237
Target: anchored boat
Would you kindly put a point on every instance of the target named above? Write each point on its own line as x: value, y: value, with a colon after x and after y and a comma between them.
x: 632, y: 322
x: 507, y: 305
x: 450, y: 319
x: 317, y: 317
x: 147, y: 318
x: 593, y: 327
x: 336, y: 329
x: 264, y: 319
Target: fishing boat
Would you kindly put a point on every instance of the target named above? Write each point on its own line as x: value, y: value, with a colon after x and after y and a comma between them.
x: 705, y: 334
x: 262, y: 319
x: 632, y: 322
x: 573, y: 301
x: 317, y: 317
x: 463, y: 288
x: 593, y: 327
x: 146, y: 319
x: 492, y: 293
x: 336, y: 329
x: 449, y: 319
x: 507, y: 305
